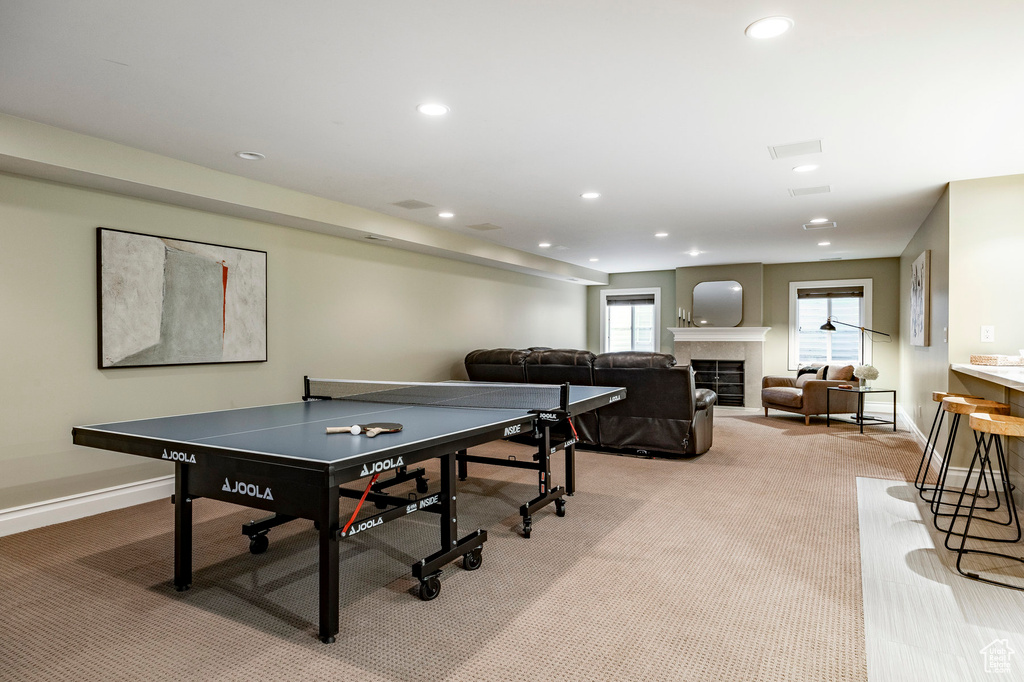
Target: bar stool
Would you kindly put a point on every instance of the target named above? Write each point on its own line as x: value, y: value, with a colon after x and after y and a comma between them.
x: 959, y: 406
x: 929, y: 447
x: 994, y: 425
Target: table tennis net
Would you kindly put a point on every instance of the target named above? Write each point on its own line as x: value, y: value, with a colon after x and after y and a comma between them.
x: 446, y: 394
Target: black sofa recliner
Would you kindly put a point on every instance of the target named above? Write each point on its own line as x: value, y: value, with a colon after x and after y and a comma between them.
x: 662, y: 411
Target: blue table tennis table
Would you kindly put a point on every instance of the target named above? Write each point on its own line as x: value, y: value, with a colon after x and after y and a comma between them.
x: 279, y: 458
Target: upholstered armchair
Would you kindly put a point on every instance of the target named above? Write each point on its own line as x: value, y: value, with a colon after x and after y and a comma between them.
x: 807, y: 393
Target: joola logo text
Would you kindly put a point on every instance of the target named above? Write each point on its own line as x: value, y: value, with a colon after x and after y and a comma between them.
x: 365, y: 525
x: 382, y: 465
x: 614, y: 398
x: 548, y: 417
x: 250, y: 489
x: 571, y: 441
x: 513, y: 430
x: 179, y: 457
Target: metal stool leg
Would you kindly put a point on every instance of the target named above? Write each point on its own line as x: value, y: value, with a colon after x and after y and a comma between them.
x: 982, y: 454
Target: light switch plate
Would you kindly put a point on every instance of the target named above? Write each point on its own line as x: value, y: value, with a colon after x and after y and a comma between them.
x: 988, y: 333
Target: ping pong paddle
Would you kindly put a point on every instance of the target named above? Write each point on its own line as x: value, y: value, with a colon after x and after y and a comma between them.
x: 371, y: 429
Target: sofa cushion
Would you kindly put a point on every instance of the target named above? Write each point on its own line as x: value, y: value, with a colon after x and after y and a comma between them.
x: 810, y: 369
x: 561, y: 356
x: 497, y: 364
x: 630, y: 359
x: 804, y: 378
x: 844, y: 373
x: 783, y: 395
x: 496, y: 356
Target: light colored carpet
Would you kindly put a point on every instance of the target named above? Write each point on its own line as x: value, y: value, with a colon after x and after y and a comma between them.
x: 742, y: 564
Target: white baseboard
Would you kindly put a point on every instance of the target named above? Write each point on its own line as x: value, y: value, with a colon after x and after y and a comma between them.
x: 39, y: 514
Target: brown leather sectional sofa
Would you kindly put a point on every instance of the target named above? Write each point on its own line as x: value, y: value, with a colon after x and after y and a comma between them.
x: 662, y: 413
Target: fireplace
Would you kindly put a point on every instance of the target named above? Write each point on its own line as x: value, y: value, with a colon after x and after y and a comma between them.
x: 724, y: 377
x: 742, y: 345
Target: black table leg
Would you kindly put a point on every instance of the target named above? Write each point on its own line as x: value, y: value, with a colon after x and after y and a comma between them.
x: 894, y: 410
x: 182, y: 529
x: 329, y: 528
x: 449, y: 515
x: 570, y: 469
x: 860, y: 411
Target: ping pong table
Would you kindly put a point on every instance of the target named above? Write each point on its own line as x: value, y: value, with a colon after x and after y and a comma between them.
x: 279, y: 458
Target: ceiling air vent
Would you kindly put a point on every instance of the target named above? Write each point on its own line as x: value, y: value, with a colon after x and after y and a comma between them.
x: 377, y: 238
x: 818, y: 226
x: 412, y: 204
x: 784, y: 151
x: 804, y: 191
x: 484, y: 227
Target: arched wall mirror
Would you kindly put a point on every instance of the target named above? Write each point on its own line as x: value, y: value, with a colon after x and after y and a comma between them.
x: 717, y: 304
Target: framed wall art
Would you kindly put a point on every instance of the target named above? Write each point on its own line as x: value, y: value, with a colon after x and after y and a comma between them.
x: 166, y: 301
x: 920, y: 299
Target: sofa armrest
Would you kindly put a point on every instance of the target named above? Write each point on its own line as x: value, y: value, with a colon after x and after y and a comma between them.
x: 776, y: 382
x: 816, y: 396
x: 704, y: 398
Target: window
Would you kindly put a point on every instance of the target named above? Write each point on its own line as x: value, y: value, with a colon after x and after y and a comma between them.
x: 630, y: 320
x: 811, y: 304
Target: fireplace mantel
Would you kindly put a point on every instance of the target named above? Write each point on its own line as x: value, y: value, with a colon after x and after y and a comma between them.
x: 738, y: 334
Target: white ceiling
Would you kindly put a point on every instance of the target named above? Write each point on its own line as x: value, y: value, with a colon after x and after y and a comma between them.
x: 664, y: 107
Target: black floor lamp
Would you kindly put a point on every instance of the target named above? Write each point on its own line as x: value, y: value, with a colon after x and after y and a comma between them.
x: 829, y: 327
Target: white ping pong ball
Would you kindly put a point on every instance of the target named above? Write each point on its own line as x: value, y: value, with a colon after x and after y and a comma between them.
x: 356, y: 430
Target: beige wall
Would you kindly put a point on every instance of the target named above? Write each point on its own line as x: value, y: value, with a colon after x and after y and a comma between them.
x: 924, y: 369
x: 976, y: 235
x: 986, y: 278
x: 749, y: 275
x: 885, y: 310
x: 337, y: 307
x: 986, y: 274
x: 661, y: 279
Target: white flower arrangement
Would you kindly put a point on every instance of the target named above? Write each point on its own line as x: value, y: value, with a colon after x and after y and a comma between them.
x: 866, y: 372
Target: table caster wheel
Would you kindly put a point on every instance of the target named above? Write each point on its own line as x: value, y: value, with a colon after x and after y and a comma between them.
x: 527, y: 526
x: 258, y: 544
x: 560, y: 507
x: 430, y: 587
x: 421, y: 485
x: 472, y: 560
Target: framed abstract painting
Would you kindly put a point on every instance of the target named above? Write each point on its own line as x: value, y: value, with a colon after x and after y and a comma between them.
x: 166, y: 301
x: 920, y: 300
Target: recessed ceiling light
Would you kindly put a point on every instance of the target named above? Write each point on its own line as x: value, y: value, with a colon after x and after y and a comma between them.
x: 433, y: 109
x: 544, y: 245
x: 805, y: 168
x: 769, y: 27
x: 250, y: 156
x: 824, y: 243
x: 445, y: 214
x: 594, y: 260
x: 590, y: 195
x: 661, y: 234
x: 818, y: 221
x: 694, y: 252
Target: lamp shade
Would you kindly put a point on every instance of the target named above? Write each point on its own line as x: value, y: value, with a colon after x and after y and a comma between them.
x: 828, y: 326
